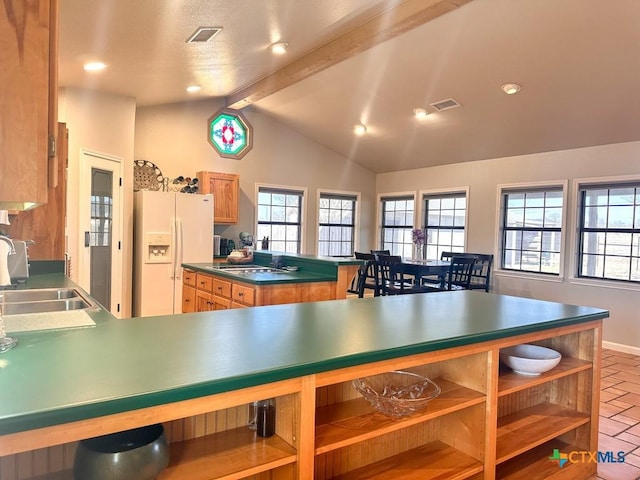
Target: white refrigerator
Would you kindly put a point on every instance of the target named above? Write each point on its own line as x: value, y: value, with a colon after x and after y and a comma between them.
x: 170, y: 228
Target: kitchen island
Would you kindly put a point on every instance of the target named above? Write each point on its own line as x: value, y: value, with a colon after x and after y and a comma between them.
x: 220, y: 285
x: 197, y: 372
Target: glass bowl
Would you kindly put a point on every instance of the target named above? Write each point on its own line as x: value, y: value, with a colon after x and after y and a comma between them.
x: 397, y: 393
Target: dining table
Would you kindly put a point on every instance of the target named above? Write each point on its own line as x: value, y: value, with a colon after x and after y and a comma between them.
x: 421, y: 268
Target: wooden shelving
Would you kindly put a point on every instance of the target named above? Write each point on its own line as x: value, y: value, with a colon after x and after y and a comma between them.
x: 535, y: 464
x: 435, y: 460
x: 346, y: 423
x: 528, y: 428
x: 231, y: 454
x: 510, y: 382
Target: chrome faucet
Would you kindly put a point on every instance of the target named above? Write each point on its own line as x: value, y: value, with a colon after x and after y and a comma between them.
x: 5, y: 278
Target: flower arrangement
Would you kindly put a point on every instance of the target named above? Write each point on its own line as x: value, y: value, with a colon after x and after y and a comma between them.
x: 418, y: 236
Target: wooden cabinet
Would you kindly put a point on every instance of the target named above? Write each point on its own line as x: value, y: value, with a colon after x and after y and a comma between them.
x: 213, y: 292
x: 209, y: 293
x: 188, y: 291
x: 28, y: 92
x: 225, y: 190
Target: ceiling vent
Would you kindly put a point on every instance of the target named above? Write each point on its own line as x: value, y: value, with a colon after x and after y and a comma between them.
x: 445, y: 104
x: 203, y: 34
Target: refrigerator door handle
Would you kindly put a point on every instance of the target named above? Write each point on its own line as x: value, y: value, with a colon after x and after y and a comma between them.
x: 179, y: 253
x: 172, y: 265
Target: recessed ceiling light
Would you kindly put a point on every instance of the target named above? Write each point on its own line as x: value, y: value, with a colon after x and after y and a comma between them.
x: 511, y: 88
x: 94, y: 66
x: 193, y: 88
x: 359, y: 129
x: 279, y: 48
x: 420, y: 113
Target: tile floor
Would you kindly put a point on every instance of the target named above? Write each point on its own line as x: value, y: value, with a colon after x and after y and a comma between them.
x: 620, y: 414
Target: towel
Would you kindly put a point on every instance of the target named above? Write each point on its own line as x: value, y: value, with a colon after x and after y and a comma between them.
x: 4, y: 217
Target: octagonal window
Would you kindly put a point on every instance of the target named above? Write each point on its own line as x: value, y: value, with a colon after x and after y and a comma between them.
x: 230, y: 133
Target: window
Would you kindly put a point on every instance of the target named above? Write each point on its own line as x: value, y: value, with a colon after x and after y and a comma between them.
x: 609, y: 223
x: 280, y: 218
x: 532, y: 230
x: 336, y: 219
x: 444, y: 218
x: 397, y: 223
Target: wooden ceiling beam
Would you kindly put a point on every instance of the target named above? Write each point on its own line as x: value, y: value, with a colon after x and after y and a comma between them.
x: 382, y: 26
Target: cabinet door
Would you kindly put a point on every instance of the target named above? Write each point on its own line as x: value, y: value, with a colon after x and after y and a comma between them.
x: 203, y: 301
x: 188, y: 299
x: 24, y: 96
x: 220, y: 303
x: 224, y: 187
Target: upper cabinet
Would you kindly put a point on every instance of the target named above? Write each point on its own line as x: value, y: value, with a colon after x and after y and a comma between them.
x: 224, y: 187
x: 28, y: 92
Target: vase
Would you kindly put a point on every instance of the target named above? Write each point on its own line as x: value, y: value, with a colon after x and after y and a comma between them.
x: 418, y: 251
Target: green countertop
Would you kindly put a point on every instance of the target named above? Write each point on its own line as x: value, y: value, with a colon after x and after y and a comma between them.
x: 119, y: 365
x: 262, y: 278
x: 311, y: 268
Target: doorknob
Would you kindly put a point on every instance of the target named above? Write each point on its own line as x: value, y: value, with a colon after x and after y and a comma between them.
x: 87, y: 239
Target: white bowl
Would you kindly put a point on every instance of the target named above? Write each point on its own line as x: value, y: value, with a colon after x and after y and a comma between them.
x: 528, y: 359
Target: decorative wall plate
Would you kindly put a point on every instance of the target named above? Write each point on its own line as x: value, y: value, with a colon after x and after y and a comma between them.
x: 146, y: 176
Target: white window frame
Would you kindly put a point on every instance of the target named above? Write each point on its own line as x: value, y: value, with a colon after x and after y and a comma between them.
x: 379, y: 198
x: 497, y: 254
x: 303, y: 209
x: 575, y: 234
x: 443, y: 191
x: 356, y: 219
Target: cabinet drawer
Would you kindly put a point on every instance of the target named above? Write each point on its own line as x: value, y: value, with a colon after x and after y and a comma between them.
x: 204, y: 282
x: 242, y: 294
x: 221, y: 288
x: 189, y: 277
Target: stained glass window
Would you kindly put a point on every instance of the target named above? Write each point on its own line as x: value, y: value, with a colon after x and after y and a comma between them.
x: 230, y: 133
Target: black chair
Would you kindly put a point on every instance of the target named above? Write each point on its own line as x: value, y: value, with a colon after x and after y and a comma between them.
x: 397, y: 277
x: 481, y: 274
x: 366, y: 277
x: 458, y: 277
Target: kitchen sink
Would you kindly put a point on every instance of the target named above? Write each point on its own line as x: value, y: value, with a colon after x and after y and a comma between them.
x: 44, y: 300
x: 14, y: 296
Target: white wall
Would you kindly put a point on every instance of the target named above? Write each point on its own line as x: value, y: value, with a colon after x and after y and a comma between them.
x: 174, y: 137
x: 104, y: 124
x: 483, y: 178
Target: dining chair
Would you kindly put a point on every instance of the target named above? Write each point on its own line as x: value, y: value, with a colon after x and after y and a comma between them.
x: 366, y: 276
x: 458, y: 277
x: 397, y: 277
x: 481, y: 274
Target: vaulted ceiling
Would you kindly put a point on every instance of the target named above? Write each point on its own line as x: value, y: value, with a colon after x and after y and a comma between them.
x: 373, y: 62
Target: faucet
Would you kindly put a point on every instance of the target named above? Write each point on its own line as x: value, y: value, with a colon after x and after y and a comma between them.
x: 5, y: 278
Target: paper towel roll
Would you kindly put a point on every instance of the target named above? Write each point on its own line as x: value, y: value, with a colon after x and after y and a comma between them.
x: 4, y: 217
